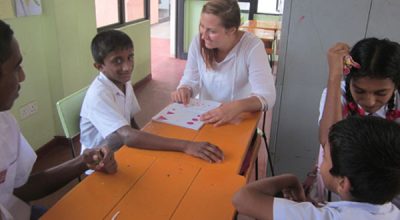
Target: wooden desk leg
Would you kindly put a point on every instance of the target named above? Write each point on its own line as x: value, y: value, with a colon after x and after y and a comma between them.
x: 251, y: 158
x: 256, y: 167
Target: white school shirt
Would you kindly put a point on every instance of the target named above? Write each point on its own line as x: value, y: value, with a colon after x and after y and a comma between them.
x: 16, y: 160
x: 344, y: 210
x: 105, y: 109
x: 244, y: 72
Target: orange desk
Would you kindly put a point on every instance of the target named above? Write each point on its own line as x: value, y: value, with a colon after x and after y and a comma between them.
x: 162, y: 184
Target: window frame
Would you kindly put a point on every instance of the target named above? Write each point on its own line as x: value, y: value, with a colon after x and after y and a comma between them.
x: 121, y: 16
x: 254, y: 8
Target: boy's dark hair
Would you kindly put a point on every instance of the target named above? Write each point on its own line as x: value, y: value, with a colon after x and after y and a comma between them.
x: 107, y: 41
x: 6, y: 36
x: 379, y: 59
x: 366, y: 150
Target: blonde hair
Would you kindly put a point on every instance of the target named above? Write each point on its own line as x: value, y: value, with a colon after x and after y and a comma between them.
x: 229, y: 13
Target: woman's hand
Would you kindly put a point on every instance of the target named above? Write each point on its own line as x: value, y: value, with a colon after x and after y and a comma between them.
x: 335, y: 57
x: 223, y: 114
x: 182, y: 95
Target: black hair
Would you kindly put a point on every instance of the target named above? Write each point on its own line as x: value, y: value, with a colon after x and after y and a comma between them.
x: 366, y: 150
x: 379, y: 59
x: 6, y: 36
x: 108, y: 41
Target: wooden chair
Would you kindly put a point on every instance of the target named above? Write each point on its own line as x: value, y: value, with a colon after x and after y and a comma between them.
x: 69, y: 109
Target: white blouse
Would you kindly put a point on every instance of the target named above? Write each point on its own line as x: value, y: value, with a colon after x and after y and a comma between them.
x: 244, y: 72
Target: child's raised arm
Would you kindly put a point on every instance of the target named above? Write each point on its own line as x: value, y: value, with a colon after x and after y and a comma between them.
x: 256, y: 199
x: 333, y: 107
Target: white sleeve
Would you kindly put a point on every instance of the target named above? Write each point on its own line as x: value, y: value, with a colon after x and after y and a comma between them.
x: 284, y: 209
x: 26, y: 159
x: 323, y: 99
x: 191, y: 74
x: 104, y: 114
x: 260, y: 77
x: 4, y: 214
x: 322, y: 104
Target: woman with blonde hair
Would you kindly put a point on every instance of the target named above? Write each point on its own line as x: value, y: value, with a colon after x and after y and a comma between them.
x: 226, y: 65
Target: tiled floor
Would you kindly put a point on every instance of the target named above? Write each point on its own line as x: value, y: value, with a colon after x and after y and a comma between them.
x: 152, y: 96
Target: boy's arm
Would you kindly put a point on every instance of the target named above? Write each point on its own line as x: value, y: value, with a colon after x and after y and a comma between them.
x: 48, y: 181
x: 257, y: 198
x: 140, y: 139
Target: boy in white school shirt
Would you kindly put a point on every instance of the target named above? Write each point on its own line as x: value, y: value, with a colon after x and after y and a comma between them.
x: 110, y: 104
x: 361, y: 164
x: 17, y: 185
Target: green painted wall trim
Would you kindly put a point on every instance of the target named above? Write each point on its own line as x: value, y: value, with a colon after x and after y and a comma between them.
x: 192, y: 20
x: 140, y: 34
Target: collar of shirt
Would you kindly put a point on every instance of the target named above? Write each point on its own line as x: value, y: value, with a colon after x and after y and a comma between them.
x: 106, y: 81
x: 380, y: 113
x: 371, y: 208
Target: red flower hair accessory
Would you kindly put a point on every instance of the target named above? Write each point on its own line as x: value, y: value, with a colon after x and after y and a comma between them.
x: 353, y: 107
x: 349, y: 63
x: 392, y: 115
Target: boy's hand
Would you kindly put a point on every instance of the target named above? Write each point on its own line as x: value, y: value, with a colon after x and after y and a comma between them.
x: 294, y: 194
x: 205, y: 151
x: 182, y: 95
x: 294, y: 190
x: 100, y: 159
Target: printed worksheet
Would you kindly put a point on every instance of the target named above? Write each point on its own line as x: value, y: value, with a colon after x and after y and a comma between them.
x: 186, y: 116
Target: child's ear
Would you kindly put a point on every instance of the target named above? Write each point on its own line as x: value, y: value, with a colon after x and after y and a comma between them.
x: 98, y: 66
x: 344, y: 187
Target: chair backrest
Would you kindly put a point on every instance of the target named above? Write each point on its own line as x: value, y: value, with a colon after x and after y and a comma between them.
x: 69, y: 109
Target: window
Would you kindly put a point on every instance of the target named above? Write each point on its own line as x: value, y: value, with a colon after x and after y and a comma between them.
x: 115, y: 13
x: 274, y: 7
x: 270, y: 7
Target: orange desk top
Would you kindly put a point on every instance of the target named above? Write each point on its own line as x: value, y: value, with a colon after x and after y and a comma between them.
x: 97, y: 194
x: 210, y: 196
x: 164, y: 185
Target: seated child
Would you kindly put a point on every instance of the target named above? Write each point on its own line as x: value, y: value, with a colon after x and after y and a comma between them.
x: 110, y: 103
x: 18, y: 184
x: 361, y: 164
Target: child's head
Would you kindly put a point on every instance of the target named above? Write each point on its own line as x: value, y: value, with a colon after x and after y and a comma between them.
x: 373, y: 85
x: 109, y: 41
x: 112, y: 52
x: 362, y: 159
x: 11, y: 72
x: 6, y: 36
